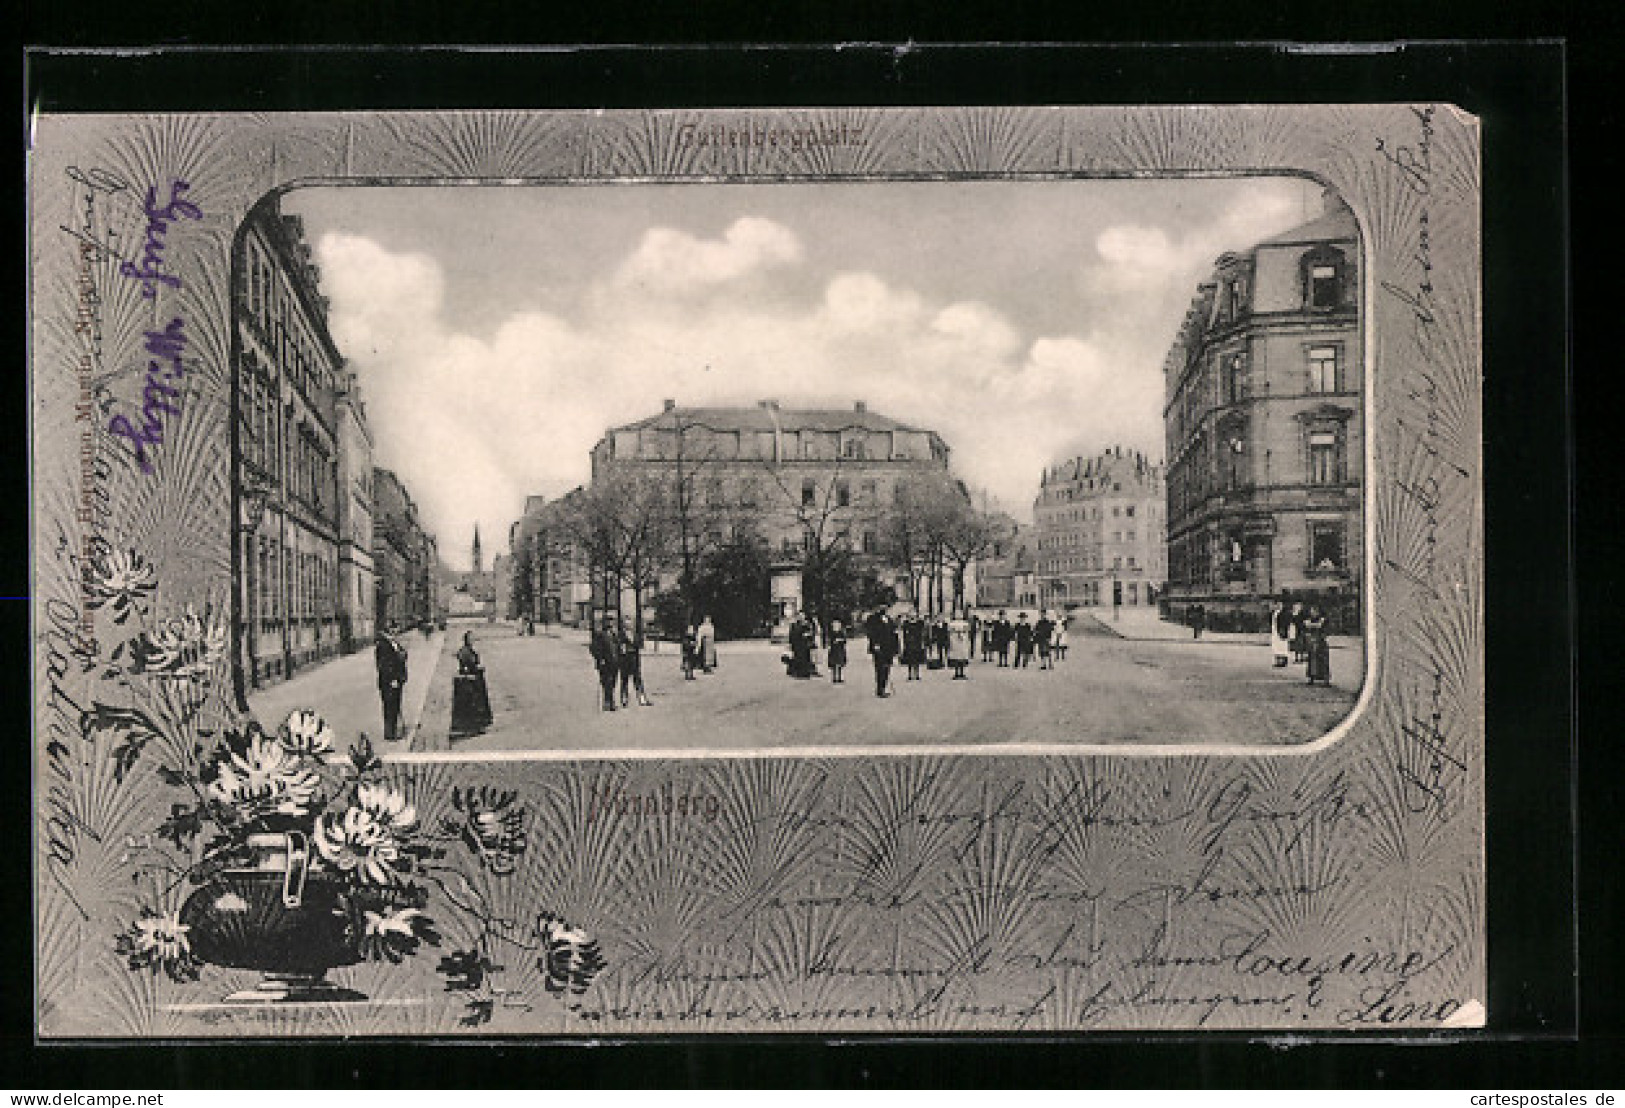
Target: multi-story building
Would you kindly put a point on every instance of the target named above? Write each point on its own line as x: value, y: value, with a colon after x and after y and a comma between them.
x: 297, y: 526
x: 357, y: 591
x: 807, y: 482
x: 406, y: 558
x: 1265, y: 434
x: 551, y: 582
x: 1099, y: 531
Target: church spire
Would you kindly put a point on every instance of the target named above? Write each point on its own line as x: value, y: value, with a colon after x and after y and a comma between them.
x: 478, y: 567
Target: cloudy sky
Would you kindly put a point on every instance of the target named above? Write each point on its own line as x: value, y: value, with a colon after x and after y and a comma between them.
x: 498, y: 332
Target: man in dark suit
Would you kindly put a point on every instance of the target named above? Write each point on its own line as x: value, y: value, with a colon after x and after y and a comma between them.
x: 1003, y: 632
x: 390, y: 657
x: 882, y: 633
x: 1024, y: 641
x: 606, y: 656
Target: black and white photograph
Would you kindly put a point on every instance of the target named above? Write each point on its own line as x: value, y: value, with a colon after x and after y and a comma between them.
x: 723, y: 467
x: 653, y: 572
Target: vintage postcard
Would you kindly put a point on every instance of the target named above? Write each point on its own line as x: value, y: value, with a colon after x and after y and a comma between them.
x: 671, y: 572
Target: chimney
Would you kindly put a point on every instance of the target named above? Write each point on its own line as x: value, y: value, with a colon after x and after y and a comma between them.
x: 670, y: 405
x: 860, y: 407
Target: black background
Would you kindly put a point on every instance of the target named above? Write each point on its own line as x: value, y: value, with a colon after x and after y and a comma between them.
x: 1538, y: 956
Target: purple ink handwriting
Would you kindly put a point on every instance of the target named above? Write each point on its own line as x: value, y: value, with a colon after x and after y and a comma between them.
x: 160, y: 396
x: 149, y: 270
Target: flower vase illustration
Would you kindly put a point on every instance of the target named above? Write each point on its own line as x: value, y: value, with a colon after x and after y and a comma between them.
x: 275, y: 916
x: 300, y: 862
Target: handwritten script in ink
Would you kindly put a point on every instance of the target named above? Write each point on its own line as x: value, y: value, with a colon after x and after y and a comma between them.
x: 149, y: 268
x: 160, y: 395
x: 1045, y: 937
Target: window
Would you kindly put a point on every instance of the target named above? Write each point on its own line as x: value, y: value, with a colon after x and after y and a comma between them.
x: 809, y: 493
x: 868, y: 490
x: 843, y: 494
x: 1236, y: 295
x: 1323, y: 278
x: 1325, y: 546
x: 1323, y: 458
x: 870, y: 543
x: 854, y: 448
x: 1323, y: 369
x: 1235, y: 378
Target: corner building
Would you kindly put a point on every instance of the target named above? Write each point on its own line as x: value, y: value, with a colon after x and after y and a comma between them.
x: 1265, y: 432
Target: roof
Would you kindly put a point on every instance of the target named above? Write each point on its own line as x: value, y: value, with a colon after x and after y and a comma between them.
x: 1115, y: 462
x: 1338, y: 223
x: 759, y: 418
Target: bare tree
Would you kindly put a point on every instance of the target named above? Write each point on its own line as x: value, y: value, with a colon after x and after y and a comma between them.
x: 623, y: 524
x: 953, y: 533
x: 822, y: 507
x: 699, y: 512
x: 907, y: 540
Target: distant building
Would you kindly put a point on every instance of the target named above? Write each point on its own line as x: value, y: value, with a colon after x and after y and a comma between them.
x: 1098, y: 535
x: 406, y: 558
x: 1265, y: 434
x: 551, y: 583
x: 470, y: 594
x: 357, y: 589
x: 301, y: 445
x: 998, y: 574
x: 502, y: 585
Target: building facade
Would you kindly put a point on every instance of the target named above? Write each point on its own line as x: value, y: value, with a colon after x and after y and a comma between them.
x: 298, y: 553
x: 406, y: 558
x: 1098, y: 536
x: 356, y: 587
x: 806, y: 482
x: 1265, y: 431
x: 550, y: 579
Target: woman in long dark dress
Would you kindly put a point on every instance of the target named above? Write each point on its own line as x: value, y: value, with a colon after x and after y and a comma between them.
x: 799, y: 663
x: 1318, y: 649
x: 470, y: 700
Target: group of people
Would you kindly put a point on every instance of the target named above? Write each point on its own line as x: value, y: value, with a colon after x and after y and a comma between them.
x: 952, y: 641
x: 617, y: 654
x: 699, y: 648
x: 803, y: 638
x: 1299, y: 632
x: 1045, y: 638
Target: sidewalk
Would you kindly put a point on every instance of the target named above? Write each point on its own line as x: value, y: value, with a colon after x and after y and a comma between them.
x: 344, y: 692
x: 1142, y: 624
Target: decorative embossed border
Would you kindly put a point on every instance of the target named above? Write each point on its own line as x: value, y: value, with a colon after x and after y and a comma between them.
x: 913, y: 893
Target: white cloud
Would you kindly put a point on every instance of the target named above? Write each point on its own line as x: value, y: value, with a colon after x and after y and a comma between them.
x: 672, y: 262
